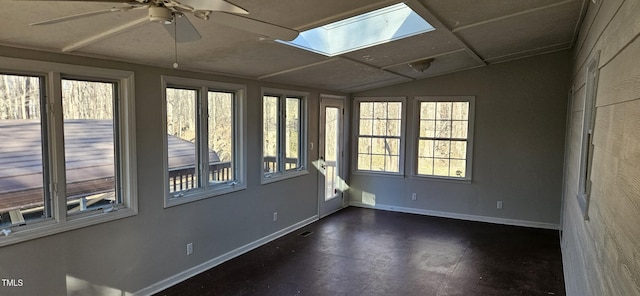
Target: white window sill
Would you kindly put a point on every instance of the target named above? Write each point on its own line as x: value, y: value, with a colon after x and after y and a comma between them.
x: 379, y: 174
x: 189, y: 197
x: 276, y: 177
x: 442, y: 179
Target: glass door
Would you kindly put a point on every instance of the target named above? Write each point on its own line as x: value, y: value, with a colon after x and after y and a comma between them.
x: 331, y: 152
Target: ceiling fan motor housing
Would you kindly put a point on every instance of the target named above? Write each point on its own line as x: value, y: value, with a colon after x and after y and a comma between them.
x: 160, y: 14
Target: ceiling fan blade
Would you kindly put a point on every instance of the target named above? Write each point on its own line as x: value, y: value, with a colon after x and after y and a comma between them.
x: 104, y: 1
x: 106, y: 34
x: 214, y: 5
x: 185, y: 30
x: 80, y: 15
x: 254, y: 26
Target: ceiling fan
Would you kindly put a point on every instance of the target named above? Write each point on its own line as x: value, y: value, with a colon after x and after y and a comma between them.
x: 172, y: 14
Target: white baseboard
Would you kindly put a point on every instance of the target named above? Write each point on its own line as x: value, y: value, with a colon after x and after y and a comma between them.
x: 458, y: 216
x: 168, y: 282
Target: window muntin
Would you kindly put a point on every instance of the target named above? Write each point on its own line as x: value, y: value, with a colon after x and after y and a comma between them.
x: 204, y: 153
x: 23, y: 147
x: 444, y: 137
x: 284, y: 134
x: 379, y: 140
x: 49, y: 214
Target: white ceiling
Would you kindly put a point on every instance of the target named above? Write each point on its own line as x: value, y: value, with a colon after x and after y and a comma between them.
x: 468, y: 34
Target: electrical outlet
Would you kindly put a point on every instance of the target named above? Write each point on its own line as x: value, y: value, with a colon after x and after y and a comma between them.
x: 189, y: 249
x: 275, y: 216
x: 499, y: 205
x: 413, y: 196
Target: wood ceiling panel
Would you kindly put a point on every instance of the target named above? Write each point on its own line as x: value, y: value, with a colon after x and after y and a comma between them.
x: 458, y: 13
x: 448, y: 63
x: 336, y: 74
x: 540, y: 29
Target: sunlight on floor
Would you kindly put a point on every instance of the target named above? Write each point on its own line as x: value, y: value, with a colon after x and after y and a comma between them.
x: 76, y: 286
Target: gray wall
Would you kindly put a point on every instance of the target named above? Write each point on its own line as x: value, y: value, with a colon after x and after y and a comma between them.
x: 601, y: 256
x: 131, y: 254
x: 518, y: 146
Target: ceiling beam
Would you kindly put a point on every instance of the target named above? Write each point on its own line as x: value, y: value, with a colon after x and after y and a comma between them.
x: 296, y: 68
x: 420, y: 8
x: 424, y: 58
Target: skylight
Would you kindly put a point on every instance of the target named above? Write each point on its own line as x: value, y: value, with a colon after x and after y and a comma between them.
x: 376, y: 27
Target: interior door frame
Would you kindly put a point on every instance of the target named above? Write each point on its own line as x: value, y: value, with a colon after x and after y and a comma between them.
x: 326, y: 208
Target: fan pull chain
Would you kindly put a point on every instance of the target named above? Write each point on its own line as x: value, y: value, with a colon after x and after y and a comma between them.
x: 175, y: 41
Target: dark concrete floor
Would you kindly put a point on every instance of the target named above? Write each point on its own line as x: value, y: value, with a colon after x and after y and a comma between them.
x: 367, y: 252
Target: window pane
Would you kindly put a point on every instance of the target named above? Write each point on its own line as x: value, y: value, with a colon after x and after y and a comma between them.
x: 441, y: 167
x: 460, y: 111
x: 443, y: 129
x: 427, y: 128
x: 220, y: 140
x: 21, y: 146
x: 364, y: 145
x: 425, y: 166
x: 380, y: 127
x: 443, y: 110
x: 292, y: 134
x: 428, y: 110
x: 270, y: 133
x: 392, y: 147
x: 366, y: 110
x: 457, y: 168
x: 380, y: 110
x: 89, y: 142
x: 364, y: 162
x: 425, y: 148
x: 441, y: 149
x: 331, y: 151
x: 393, y: 127
x: 392, y: 164
x: 366, y: 127
x: 459, y: 129
x: 378, y: 162
x: 394, y: 110
x: 379, y: 146
x: 458, y: 149
x: 181, y: 139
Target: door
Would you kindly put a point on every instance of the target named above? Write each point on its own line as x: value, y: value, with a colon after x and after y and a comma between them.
x: 331, y: 155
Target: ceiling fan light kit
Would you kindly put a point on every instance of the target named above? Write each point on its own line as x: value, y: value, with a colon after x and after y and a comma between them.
x: 160, y: 14
x: 422, y: 65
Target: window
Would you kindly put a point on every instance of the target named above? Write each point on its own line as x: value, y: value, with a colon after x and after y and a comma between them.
x: 379, y: 142
x: 66, y: 148
x: 445, y: 137
x: 284, y: 135
x: 588, y: 123
x: 204, y: 145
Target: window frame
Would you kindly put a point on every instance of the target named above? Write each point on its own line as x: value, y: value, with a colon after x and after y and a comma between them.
x: 303, y: 134
x: 206, y: 190
x: 470, y: 136
x: 356, y: 136
x: 59, y: 220
x: 587, y: 146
